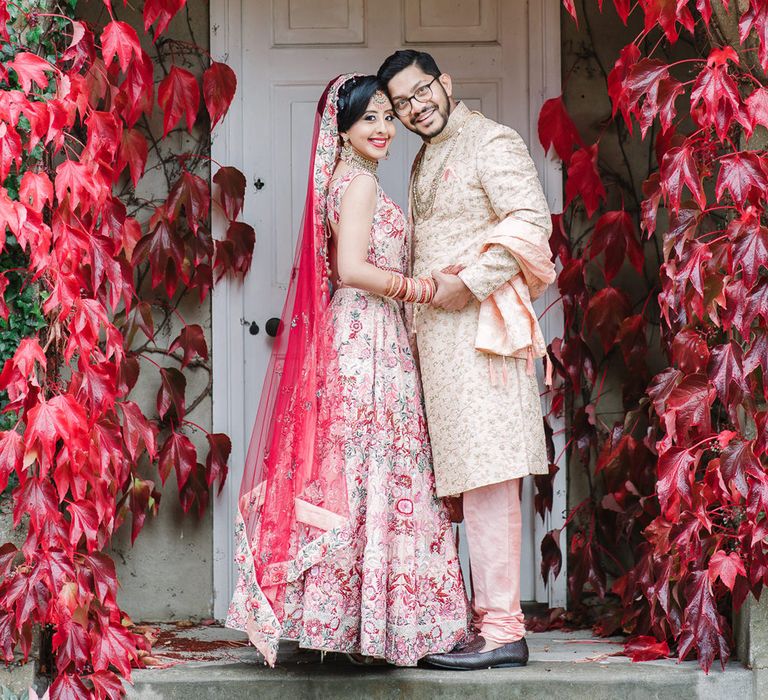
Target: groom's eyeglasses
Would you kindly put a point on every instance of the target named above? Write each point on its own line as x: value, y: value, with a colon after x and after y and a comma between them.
x: 423, y: 93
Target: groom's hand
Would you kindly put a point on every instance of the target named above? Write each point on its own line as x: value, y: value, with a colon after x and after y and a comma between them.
x: 452, y: 294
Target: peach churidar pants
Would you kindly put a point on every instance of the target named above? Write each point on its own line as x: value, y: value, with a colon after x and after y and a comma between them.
x: 493, y: 524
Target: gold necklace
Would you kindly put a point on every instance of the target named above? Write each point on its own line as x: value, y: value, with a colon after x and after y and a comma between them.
x: 422, y: 206
x: 355, y: 159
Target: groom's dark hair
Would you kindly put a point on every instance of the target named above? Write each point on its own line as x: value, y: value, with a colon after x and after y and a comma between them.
x: 400, y: 60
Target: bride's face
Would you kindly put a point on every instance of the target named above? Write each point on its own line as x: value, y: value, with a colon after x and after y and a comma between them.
x: 372, y: 133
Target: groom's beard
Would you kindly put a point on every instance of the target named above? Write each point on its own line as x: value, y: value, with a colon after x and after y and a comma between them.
x: 440, y: 110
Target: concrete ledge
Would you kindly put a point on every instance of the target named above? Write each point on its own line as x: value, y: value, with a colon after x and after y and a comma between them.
x: 563, y: 666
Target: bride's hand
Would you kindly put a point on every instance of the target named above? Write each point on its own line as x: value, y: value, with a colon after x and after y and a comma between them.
x: 452, y: 269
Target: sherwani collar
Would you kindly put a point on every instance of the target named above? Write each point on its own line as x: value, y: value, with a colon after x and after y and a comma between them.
x: 456, y: 119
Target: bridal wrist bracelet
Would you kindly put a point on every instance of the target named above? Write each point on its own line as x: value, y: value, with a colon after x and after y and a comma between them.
x: 419, y: 290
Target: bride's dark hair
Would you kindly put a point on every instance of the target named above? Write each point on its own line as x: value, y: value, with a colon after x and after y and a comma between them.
x: 353, y: 99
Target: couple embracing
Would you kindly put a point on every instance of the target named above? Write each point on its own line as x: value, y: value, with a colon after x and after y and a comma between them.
x: 344, y: 538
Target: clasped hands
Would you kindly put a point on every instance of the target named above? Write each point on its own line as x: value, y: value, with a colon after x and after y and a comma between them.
x: 452, y: 294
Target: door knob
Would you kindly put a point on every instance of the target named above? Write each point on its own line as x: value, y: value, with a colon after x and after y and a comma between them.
x: 273, y: 327
x: 258, y: 183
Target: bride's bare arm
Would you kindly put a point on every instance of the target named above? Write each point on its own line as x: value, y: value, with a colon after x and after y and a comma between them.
x: 353, y: 235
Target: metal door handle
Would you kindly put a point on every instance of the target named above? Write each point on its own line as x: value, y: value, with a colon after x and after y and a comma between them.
x: 273, y: 327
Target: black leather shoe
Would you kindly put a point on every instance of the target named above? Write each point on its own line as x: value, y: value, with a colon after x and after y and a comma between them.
x: 471, y: 644
x: 507, y: 656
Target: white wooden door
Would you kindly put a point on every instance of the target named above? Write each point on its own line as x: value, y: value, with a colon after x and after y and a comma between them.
x: 504, y: 59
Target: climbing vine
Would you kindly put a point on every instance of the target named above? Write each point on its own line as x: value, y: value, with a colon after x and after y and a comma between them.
x: 108, y: 267
x: 674, y: 527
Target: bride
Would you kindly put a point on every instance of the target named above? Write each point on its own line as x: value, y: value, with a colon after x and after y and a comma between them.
x: 342, y: 543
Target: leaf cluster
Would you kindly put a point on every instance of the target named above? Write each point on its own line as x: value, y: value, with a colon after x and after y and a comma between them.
x: 90, y: 285
x: 675, y: 525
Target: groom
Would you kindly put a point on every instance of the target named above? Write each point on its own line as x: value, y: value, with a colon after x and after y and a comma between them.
x: 479, y: 211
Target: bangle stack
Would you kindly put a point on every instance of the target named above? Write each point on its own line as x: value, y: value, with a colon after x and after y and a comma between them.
x: 418, y: 290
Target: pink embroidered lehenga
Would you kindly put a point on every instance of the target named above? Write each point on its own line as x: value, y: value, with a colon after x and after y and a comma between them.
x: 342, y: 543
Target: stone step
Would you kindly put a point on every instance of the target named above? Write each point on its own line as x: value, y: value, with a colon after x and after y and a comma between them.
x: 562, y: 666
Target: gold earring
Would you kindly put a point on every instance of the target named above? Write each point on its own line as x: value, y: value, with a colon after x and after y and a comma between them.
x: 346, y: 148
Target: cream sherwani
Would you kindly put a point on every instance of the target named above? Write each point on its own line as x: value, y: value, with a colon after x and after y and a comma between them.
x: 483, y: 410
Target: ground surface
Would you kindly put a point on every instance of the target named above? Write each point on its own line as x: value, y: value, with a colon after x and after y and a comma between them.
x: 208, y: 661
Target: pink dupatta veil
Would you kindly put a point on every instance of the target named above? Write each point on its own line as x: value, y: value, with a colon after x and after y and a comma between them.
x: 293, y: 505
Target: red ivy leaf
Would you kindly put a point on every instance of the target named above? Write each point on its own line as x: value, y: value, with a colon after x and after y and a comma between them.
x: 690, y: 351
x: 219, y: 449
x: 757, y: 108
x: 11, y: 455
x: 136, y: 429
x: 235, y: 252
x: 141, y: 493
x: 617, y: 88
x: 736, y: 460
x: 177, y: 451
x: 584, y: 179
x: 190, y: 193
x: 643, y: 648
x: 102, y: 569
x: 668, y: 14
x: 36, y: 190
x: 162, y: 11
x: 702, y: 623
x: 551, y: 556
x: 689, y: 405
x: 641, y: 81
x: 718, y: 94
x: 37, y: 498
x: 133, y: 153
x: 219, y: 86
x: 10, y: 150
x: 727, y: 567
x: 113, y: 645
x: 47, y: 422
x: 756, y: 17
x: 678, y: 170
x: 633, y: 343
x: 615, y: 236
x: 231, y: 190
x: 705, y: 9
x: 68, y: 686
x: 31, y: 68
x: 605, y: 313
x: 726, y: 372
x: 121, y: 40
x: 72, y: 646
x: 84, y: 520
x: 556, y: 128
x: 191, y: 340
x: 743, y: 175
x: 676, y: 468
x: 178, y: 95
x: 750, y: 245
x: 623, y: 8
x: 107, y: 685
x: 171, y: 393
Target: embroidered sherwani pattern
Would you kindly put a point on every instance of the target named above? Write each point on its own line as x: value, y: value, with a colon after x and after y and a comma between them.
x: 484, y: 411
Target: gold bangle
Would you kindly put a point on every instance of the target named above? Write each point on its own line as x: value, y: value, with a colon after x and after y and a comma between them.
x: 393, y: 280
